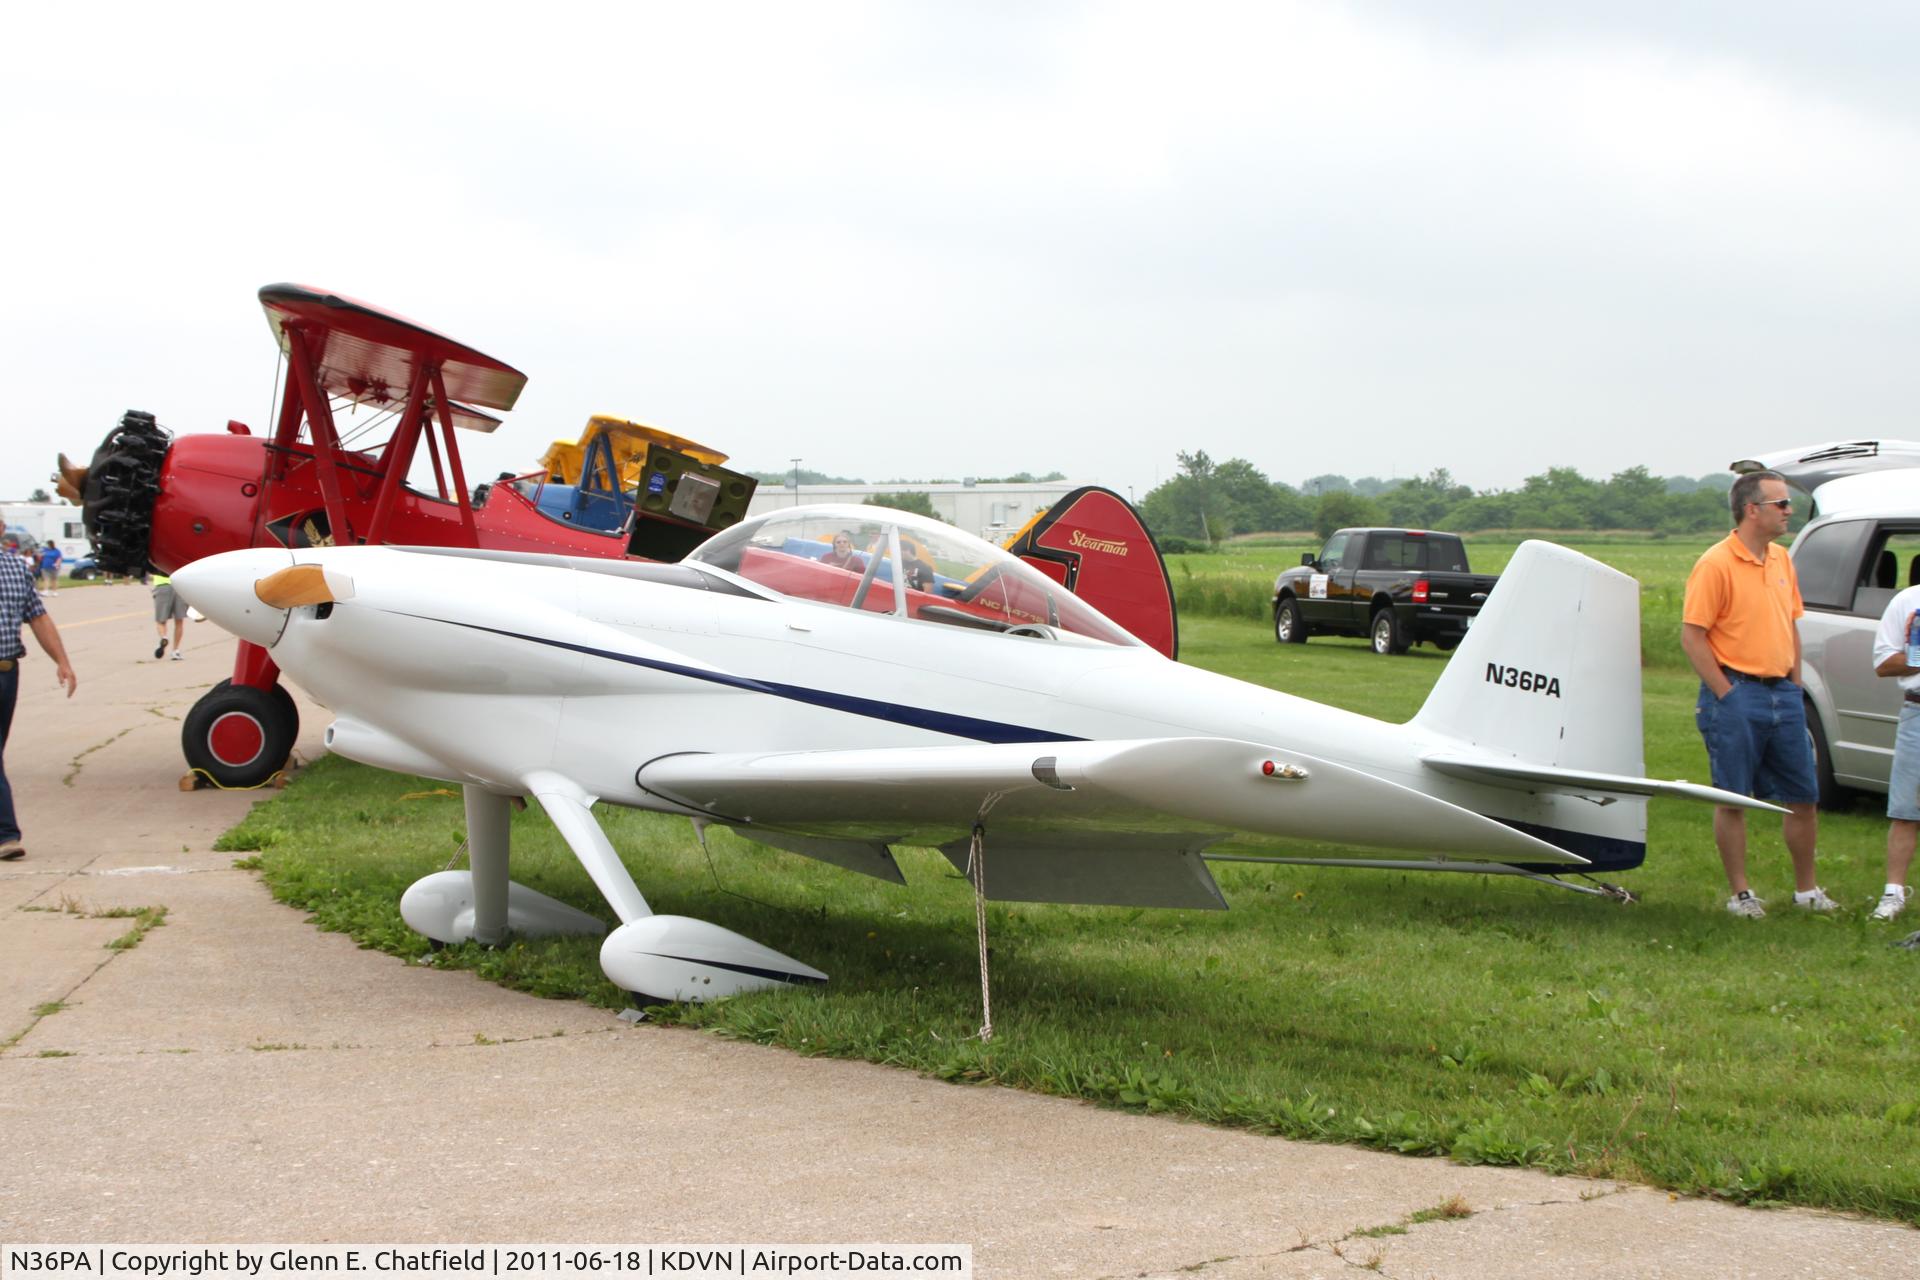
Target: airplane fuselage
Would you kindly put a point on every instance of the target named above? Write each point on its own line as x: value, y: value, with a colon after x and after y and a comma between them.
x: 593, y: 676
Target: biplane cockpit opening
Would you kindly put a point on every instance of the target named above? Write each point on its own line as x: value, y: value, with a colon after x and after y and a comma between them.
x: 904, y: 565
x: 597, y: 500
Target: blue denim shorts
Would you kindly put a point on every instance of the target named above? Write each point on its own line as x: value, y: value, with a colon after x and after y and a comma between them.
x: 1903, y: 788
x: 1757, y: 741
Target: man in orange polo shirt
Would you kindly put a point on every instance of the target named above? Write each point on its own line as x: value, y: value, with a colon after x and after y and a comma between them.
x: 1737, y: 628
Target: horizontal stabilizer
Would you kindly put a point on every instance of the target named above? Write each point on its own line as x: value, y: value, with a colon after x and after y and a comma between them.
x: 1521, y: 776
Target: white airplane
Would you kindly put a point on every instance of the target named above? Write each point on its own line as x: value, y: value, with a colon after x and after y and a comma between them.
x: 824, y: 703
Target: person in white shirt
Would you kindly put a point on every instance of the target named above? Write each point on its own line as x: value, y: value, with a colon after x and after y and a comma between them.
x: 1903, y: 787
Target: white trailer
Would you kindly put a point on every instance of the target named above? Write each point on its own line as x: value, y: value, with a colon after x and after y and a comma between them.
x: 56, y: 522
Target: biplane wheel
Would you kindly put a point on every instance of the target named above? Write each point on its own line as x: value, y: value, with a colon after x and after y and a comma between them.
x: 238, y: 735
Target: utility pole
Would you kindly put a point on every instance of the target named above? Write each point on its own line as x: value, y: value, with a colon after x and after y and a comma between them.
x: 796, y: 482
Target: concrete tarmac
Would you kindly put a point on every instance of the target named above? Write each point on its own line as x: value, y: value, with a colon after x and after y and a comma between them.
x: 241, y: 1077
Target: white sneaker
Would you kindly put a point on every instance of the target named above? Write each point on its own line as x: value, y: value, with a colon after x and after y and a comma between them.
x: 1744, y: 904
x: 1891, y: 904
x: 1816, y: 900
x: 179, y: 656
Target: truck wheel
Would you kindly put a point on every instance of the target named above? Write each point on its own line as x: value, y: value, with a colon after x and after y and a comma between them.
x: 1830, y: 795
x: 1386, y: 634
x: 1447, y: 644
x: 238, y: 735
x: 1288, y: 626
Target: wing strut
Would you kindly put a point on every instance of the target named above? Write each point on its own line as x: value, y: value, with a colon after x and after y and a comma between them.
x: 658, y: 958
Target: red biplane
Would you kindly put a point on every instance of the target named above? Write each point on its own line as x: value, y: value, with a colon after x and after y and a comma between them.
x: 151, y: 500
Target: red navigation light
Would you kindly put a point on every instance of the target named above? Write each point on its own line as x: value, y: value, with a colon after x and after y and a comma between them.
x: 1267, y: 768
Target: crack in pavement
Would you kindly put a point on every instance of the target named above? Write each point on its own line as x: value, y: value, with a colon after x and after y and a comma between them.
x: 1376, y: 1263
x: 335, y: 1047
x: 78, y: 761
x: 113, y: 953
x: 56, y: 875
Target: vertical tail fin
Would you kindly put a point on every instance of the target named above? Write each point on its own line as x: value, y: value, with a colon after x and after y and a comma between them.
x: 1094, y: 544
x: 1550, y: 672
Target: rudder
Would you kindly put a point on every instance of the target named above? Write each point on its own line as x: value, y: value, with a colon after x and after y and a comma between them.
x: 1094, y: 543
x: 1550, y: 671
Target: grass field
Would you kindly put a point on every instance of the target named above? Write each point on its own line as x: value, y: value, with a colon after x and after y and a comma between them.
x: 1490, y: 1020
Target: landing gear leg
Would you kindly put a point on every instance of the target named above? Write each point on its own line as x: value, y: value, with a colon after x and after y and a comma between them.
x: 481, y: 904
x: 488, y: 819
x: 659, y: 958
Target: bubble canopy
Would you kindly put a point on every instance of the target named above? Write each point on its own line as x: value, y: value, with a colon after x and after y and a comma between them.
x: 879, y: 560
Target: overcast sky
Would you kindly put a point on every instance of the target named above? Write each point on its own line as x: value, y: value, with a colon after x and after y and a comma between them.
x: 970, y: 239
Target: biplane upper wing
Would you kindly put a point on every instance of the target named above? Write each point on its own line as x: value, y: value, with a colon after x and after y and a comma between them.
x: 369, y: 355
x: 1075, y: 821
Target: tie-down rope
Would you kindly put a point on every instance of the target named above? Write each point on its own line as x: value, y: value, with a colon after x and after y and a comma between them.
x: 977, y: 876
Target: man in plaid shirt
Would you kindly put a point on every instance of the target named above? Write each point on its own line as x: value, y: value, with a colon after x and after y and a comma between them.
x: 20, y: 603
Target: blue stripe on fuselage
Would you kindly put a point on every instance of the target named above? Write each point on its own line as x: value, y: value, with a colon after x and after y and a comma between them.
x: 917, y: 717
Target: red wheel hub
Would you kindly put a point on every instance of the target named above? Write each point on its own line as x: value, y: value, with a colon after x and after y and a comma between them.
x: 236, y: 739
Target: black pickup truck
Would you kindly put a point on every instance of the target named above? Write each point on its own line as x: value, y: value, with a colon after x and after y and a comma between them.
x: 1397, y: 587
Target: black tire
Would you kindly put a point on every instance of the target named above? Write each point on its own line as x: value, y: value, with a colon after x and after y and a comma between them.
x: 1288, y: 626
x: 1830, y: 794
x: 1446, y: 644
x: 240, y: 736
x: 1384, y: 633
x: 84, y: 575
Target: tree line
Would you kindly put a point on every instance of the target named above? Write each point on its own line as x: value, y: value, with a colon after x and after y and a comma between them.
x: 1208, y: 501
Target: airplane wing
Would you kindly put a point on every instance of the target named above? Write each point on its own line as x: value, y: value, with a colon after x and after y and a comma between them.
x: 1522, y: 776
x: 465, y: 416
x: 1102, y: 822
x: 365, y: 353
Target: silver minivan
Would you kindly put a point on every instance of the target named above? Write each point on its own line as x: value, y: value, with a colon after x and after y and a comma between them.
x: 1861, y: 546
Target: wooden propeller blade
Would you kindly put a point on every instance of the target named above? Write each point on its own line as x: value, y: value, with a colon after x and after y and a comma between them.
x: 72, y: 481
x: 293, y: 587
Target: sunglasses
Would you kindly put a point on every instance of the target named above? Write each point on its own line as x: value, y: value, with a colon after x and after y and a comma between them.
x: 1785, y: 504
